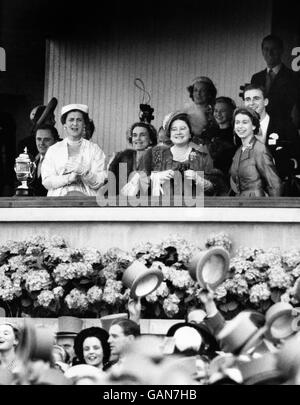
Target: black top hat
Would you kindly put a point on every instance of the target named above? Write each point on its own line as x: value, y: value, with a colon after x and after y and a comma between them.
x: 46, y: 113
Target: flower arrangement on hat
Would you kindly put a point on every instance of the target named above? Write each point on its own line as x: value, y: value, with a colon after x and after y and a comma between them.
x: 42, y: 276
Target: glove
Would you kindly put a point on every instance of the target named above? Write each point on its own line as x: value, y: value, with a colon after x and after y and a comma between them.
x: 76, y: 167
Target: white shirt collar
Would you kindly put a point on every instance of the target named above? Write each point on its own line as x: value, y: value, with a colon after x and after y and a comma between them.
x: 275, y: 69
x: 264, y: 123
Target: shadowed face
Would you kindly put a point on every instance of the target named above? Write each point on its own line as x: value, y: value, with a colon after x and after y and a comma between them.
x: 117, y: 340
x: 43, y: 139
x: 140, y: 138
x: 272, y: 53
x: 222, y: 113
x: 200, y: 93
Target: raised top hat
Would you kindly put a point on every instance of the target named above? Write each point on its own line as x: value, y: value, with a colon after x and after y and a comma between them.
x: 69, y: 326
x: 107, y: 320
x: 237, y: 332
x: 209, y: 267
x: 47, y: 112
x: 279, y: 320
x: 70, y: 107
x: 141, y: 280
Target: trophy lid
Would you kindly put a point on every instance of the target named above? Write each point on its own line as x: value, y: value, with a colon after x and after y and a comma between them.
x: 23, y: 157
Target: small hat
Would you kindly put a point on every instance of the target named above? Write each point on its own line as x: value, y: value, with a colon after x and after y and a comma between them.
x: 259, y: 370
x: 279, y: 320
x: 237, y: 332
x: 47, y: 112
x: 209, y: 267
x: 70, y: 107
x: 202, y: 79
x: 34, y: 343
x: 141, y: 280
x: 69, y: 326
x: 107, y: 320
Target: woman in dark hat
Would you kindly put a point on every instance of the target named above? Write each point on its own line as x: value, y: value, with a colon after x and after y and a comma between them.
x: 182, y: 160
x: 253, y: 172
x: 75, y: 165
x: 141, y: 136
x: 91, y: 347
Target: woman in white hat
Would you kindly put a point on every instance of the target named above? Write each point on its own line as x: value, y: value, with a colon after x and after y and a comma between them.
x: 74, y: 166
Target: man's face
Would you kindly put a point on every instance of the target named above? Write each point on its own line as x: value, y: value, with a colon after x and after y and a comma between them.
x: 117, y: 340
x: 44, y: 139
x: 68, y: 344
x: 255, y: 100
x: 272, y: 53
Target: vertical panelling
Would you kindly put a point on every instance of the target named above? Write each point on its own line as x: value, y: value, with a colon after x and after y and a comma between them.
x: 101, y: 72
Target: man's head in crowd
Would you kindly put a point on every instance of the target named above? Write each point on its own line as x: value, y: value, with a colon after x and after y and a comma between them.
x: 45, y: 137
x: 272, y: 50
x: 121, y: 333
x: 254, y: 97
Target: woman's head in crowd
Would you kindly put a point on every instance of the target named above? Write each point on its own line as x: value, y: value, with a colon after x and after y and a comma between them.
x: 223, y: 111
x: 202, y: 91
x: 91, y: 347
x: 9, y: 337
x: 141, y: 135
x: 75, y: 119
x: 246, y: 122
x: 178, y: 129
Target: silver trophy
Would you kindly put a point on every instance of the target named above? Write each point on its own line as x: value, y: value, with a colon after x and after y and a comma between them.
x: 24, y: 169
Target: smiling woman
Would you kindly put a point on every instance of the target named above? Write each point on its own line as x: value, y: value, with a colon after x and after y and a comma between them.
x: 75, y: 165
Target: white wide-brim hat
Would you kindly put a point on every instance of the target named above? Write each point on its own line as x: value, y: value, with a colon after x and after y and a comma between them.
x: 141, y: 280
x: 279, y: 320
x: 70, y: 107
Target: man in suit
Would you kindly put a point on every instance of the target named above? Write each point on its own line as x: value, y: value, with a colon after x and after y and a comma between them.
x: 280, y: 136
x: 282, y: 85
x: 45, y: 136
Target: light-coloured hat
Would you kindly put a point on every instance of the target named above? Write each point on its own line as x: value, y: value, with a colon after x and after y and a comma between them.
x: 279, y: 320
x: 209, y: 267
x: 70, y: 107
x: 107, y: 320
x: 69, y: 326
x: 237, y: 332
x: 259, y: 370
x: 141, y: 280
x: 53, y: 377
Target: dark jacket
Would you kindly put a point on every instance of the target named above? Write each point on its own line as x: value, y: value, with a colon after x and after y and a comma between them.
x: 253, y: 172
x: 283, y: 94
x: 36, y: 183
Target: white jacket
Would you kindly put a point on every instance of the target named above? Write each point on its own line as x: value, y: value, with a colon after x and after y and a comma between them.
x: 53, y: 167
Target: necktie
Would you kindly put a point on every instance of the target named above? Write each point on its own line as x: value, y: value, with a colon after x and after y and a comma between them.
x: 39, y: 166
x: 269, y: 80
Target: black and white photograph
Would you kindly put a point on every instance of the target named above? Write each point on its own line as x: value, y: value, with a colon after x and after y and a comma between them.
x: 149, y: 195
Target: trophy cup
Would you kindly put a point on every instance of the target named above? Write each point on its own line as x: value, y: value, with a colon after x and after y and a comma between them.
x: 24, y: 169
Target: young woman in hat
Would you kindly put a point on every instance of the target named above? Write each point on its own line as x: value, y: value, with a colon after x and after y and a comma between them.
x: 141, y: 136
x: 74, y: 166
x: 253, y: 172
x: 91, y: 347
x: 181, y: 159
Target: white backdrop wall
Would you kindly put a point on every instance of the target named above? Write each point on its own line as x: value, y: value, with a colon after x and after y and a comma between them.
x: 100, y: 72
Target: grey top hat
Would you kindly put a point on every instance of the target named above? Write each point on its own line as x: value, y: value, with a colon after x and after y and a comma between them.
x: 209, y: 267
x: 280, y: 319
x: 141, y: 280
x: 69, y: 326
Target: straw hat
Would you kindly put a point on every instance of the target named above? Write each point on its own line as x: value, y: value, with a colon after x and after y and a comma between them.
x: 209, y: 267
x: 141, y: 280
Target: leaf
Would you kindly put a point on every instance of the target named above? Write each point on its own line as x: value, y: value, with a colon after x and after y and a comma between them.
x: 232, y: 305
x: 157, y: 310
x: 224, y: 307
x: 26, y: 302
x: 84, y: 281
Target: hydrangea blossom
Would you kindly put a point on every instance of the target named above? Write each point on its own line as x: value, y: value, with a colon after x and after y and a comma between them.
x: 45, y: 298
x: 219, y: 239
x: 259, y: 292
x: 170, y: 305
x: 278, y: 278
x: 94, y: 294
x: 77, y: 299
x: 37, y: 280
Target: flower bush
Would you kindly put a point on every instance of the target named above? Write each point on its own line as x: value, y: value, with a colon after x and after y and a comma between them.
x: 42, y: 276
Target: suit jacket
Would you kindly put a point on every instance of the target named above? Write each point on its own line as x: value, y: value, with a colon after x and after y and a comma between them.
x: 284, y: 91
x: 253, y: 173
x: 285, y: 148
x: 36, y: 182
